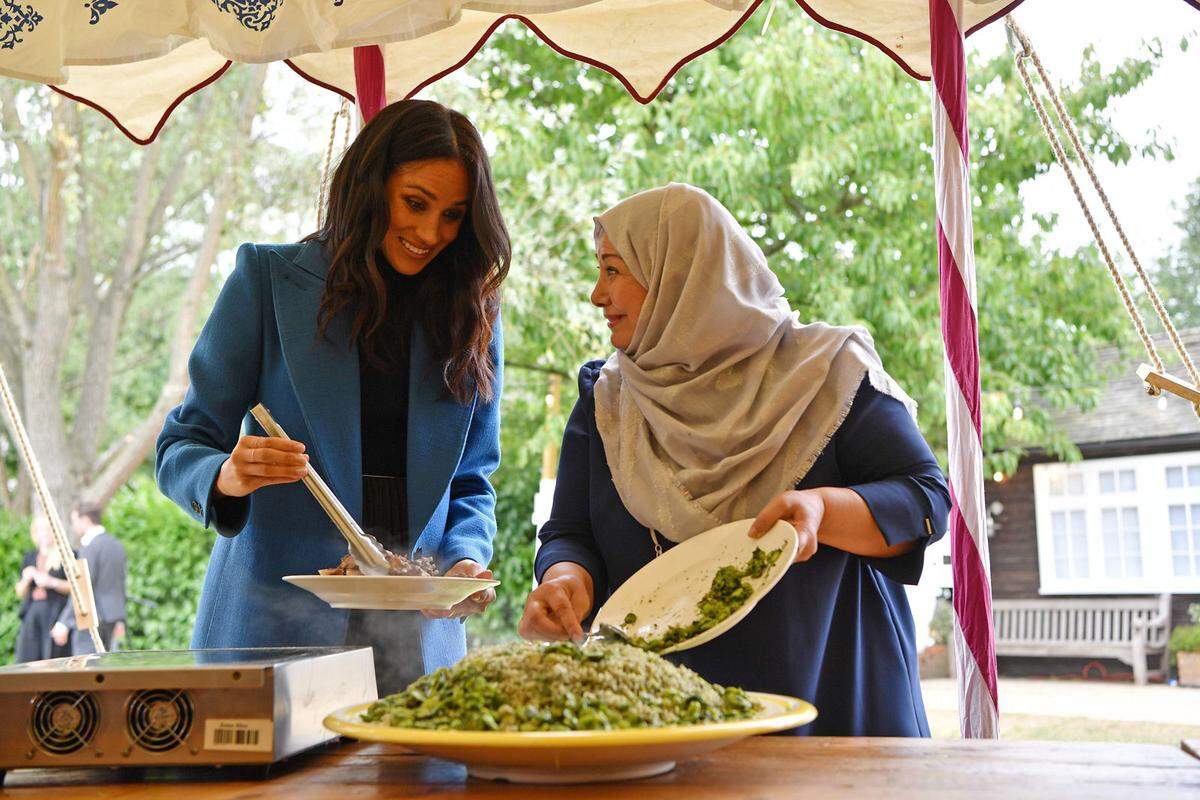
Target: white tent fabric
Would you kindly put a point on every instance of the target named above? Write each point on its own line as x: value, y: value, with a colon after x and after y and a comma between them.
x: 135, y: 59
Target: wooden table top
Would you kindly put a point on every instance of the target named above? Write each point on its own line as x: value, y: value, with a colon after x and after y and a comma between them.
x: 762, y: 767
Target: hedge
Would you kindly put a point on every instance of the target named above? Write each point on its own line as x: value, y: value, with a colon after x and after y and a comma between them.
x: 168, y: 552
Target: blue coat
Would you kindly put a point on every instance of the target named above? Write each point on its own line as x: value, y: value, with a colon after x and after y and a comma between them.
x: 836, y: 630
x: 261, y: 344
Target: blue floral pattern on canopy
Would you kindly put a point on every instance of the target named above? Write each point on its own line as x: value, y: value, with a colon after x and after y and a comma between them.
x: 15, y: 19
x: 98, y: 9
x: 255, y: 15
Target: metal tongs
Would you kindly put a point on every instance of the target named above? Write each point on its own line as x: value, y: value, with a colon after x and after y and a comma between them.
x: 605, y: 633
x: 365, y: 548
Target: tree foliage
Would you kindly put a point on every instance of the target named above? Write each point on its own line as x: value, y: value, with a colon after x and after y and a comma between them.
x: 104, y: 269
x: 166, y: 555
x: 818, y: 144
x: 1178, y: 276
x: 820, y: 147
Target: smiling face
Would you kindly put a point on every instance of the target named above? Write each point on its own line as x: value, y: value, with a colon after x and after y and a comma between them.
x: 427, y: 201
x: 618, y: 294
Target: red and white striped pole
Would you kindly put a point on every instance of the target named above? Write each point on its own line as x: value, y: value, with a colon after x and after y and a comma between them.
x: 974, y: 642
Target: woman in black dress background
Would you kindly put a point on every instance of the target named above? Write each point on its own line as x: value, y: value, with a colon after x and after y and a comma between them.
x: 43, y: 590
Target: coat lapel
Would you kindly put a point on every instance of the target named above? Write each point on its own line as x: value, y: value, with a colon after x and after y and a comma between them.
x: 437, y: 432
x: 324, y: 374
x: 323, y: 371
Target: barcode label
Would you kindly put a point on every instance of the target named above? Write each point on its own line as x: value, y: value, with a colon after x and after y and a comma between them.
x: 238, y: 734
x: 227, y: 736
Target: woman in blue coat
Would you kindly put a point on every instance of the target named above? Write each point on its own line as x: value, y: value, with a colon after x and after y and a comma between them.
x: 719, y: 405
x: 376, y: 345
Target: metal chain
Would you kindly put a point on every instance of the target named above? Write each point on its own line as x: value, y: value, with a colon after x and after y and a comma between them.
x: 1064, y: 120
x: 61, y: 542
x: 342, y: 113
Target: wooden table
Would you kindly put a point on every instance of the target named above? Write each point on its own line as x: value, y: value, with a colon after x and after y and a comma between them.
x: 763, y: 767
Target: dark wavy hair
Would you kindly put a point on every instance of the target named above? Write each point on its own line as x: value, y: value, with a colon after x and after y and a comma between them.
x: 459, y: 296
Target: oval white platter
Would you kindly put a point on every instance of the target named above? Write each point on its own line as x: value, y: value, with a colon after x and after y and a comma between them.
x: 666, y: 591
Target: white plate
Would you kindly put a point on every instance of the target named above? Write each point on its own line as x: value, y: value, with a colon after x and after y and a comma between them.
x: 390, y: 592
x: 666, y: 591
x: 577, y: 756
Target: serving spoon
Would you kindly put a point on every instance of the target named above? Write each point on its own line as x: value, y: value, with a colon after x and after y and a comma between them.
x: 606, y: 633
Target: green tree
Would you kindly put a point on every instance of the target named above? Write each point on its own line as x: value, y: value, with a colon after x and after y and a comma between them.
x: 106, y: 264
x: 167, y: 555
x: 1178, y: 275
x: 820, y: 147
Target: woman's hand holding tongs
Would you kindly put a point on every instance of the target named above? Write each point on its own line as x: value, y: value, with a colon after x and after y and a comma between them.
x: 258, y: 461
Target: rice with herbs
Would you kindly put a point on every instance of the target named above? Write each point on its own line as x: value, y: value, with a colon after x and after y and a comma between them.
x: 560, y: 687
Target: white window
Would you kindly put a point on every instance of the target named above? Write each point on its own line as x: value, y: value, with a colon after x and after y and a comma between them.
x: 1119, y: 525
x: 1185, y: 539
x: 1067, y: 484
x: 1179, y: 476
x: 1122, y: 542
x: 1070, y: 544
x: 1114, y: 480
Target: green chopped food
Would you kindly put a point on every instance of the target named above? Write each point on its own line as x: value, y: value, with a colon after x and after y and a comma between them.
x: 630, y: 618
x: 560, y: 687
x: 729, y: 592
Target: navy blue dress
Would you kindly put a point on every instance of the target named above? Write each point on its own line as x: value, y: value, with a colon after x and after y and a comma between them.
x: 837, y: 629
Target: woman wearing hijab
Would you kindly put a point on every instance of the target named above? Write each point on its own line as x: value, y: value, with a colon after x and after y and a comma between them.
x: 376, y: 345
x: 43, y: 590
x: 718, y: 405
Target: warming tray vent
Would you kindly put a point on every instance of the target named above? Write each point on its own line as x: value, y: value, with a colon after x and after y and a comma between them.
x: 63, y: 722
x: 159, y: 720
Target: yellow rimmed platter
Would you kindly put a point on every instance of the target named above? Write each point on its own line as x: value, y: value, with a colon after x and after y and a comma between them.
x: 577, y: 756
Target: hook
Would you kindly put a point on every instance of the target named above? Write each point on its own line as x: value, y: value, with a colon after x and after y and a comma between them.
x: 1016, y: 42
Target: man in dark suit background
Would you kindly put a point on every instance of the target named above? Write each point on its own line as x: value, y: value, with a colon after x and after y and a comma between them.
x: 106, y: 562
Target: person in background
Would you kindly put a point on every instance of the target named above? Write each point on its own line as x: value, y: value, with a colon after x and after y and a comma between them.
x: 43, y: 590
x: 106, y: 563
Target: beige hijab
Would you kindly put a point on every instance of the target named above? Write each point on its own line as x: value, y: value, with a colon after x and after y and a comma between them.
x: 722, y: 399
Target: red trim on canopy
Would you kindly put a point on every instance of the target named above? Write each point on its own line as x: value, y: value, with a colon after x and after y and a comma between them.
x: 292, y: 65
x: 611, y: 70
x: 528, y: 23
x: 645, y: 99
x: 162, y: 120
x: 833, y: 26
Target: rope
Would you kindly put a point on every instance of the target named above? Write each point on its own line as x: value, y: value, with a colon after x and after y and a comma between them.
x: 1117, y: 278
x: 342, y: 112
x: 1064, y: 119
x: 61, y: 542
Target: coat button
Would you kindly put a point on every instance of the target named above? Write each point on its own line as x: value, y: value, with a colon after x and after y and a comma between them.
x: 196, y: 507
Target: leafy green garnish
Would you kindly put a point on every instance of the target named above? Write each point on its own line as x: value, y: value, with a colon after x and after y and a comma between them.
x: 728, y: 592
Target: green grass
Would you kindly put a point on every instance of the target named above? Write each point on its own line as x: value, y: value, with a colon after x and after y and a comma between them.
x: 944, y: 725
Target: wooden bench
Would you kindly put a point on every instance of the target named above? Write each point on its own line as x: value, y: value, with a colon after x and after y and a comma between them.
x: 1128, y: 629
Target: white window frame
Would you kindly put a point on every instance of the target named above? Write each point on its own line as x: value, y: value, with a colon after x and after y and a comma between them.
x: 1190, y: 528
x: 1150, y: 496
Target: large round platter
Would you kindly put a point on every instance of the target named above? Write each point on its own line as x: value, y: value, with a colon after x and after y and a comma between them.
x: 667, y: 591
x: 577, y: 756
x: 390, y: 592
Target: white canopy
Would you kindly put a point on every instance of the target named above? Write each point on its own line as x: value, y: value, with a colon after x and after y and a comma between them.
x: 134, y: 60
